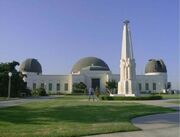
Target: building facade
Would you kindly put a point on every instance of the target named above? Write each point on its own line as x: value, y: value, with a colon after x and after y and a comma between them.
x: 94, y: 74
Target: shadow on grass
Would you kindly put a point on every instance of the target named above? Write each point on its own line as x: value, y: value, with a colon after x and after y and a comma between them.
x: 88, y: 114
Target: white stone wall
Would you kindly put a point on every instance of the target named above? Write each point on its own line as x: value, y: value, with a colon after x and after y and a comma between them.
x: 159, y: 79
x: 54, y: 79
x: 86, y: 76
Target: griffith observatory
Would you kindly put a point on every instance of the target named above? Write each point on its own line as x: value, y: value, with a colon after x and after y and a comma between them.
x: 94, y: 72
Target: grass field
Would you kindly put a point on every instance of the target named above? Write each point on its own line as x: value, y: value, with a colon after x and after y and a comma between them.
x: 170, y: 96
x: 71, y: 116
x: 3, y: 98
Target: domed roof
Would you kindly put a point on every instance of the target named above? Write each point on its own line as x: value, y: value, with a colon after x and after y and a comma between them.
x: 31, y: 65
x: 154, y: 66
x: 90, y: 63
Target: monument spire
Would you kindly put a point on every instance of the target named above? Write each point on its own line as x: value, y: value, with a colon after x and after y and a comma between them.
x: 126, y: 42
x: 127, y: 84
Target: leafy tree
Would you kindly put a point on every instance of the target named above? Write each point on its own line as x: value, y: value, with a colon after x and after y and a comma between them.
x: 112, y: 86
x: 79, y: 87
x: 17, y: 83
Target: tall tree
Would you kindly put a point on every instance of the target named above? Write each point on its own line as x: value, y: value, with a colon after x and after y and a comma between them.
x: 111, y: 86
x: 17, y: 83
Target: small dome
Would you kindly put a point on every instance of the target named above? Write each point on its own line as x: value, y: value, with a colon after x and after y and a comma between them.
x: 31, y: 65
x: 155, y: 66
x: 90, y: 63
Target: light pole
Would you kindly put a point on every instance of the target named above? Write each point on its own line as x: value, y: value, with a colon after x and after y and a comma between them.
x: 9, y: 85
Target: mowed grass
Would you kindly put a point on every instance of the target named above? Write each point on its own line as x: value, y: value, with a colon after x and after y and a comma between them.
x: 71, y: 116
x: 3, y: 98
x: 170, y: 96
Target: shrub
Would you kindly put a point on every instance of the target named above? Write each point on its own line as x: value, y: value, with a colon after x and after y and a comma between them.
x: 79, y: 88
x: 34, y: 93
x: 131, y: 98
x: 39, y: 92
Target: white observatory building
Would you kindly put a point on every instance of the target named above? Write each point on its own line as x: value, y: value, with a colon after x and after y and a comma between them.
x: 94, y: 72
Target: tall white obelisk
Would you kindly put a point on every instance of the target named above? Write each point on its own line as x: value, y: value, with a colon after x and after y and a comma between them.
x: 127, y: 84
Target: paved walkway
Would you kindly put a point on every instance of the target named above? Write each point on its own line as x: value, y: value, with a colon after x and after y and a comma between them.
x: 170, y: 132
x: 159, y: 125
x: 161, y: 103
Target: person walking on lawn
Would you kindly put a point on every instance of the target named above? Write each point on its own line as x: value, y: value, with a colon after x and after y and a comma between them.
x: 91, y: 94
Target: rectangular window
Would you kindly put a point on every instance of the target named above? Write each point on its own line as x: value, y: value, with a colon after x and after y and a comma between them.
x: 34, y: 86
x: 147, y: 86
x: 66, y: 86
x: 58, y: 86
x: 154, y: 86
x: 42, y: 85
x: 50, y: 86
x: 140, y: 87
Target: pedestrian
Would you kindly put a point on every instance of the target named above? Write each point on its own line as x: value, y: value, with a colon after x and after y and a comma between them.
x: 91, y: 93
x: 97, y: 93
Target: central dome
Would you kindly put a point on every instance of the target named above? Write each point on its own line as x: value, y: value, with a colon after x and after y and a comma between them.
x: 90, y: 63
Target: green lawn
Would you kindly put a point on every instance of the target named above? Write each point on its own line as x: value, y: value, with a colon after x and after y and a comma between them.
x: 171, y: 96
x: 3, y: 98
x: 71, y: 116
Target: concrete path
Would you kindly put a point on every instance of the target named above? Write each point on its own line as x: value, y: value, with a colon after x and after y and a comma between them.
x: 161, y: 103
x: 159, y: 125
x: 171, y: 132
x: 157, y: 121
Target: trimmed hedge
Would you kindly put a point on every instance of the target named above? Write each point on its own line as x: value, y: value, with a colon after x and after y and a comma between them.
x: 131, y: 98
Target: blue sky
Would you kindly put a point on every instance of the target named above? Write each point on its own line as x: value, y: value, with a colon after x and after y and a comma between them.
x: 60, y: 32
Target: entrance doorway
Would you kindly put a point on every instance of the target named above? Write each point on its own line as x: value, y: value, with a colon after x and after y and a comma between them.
x: 95, y: 83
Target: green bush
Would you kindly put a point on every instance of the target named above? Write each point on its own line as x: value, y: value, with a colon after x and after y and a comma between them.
x: 79, y: 88
x: 131, y: 98
x: 34, y: 93
x: 39, y: 92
